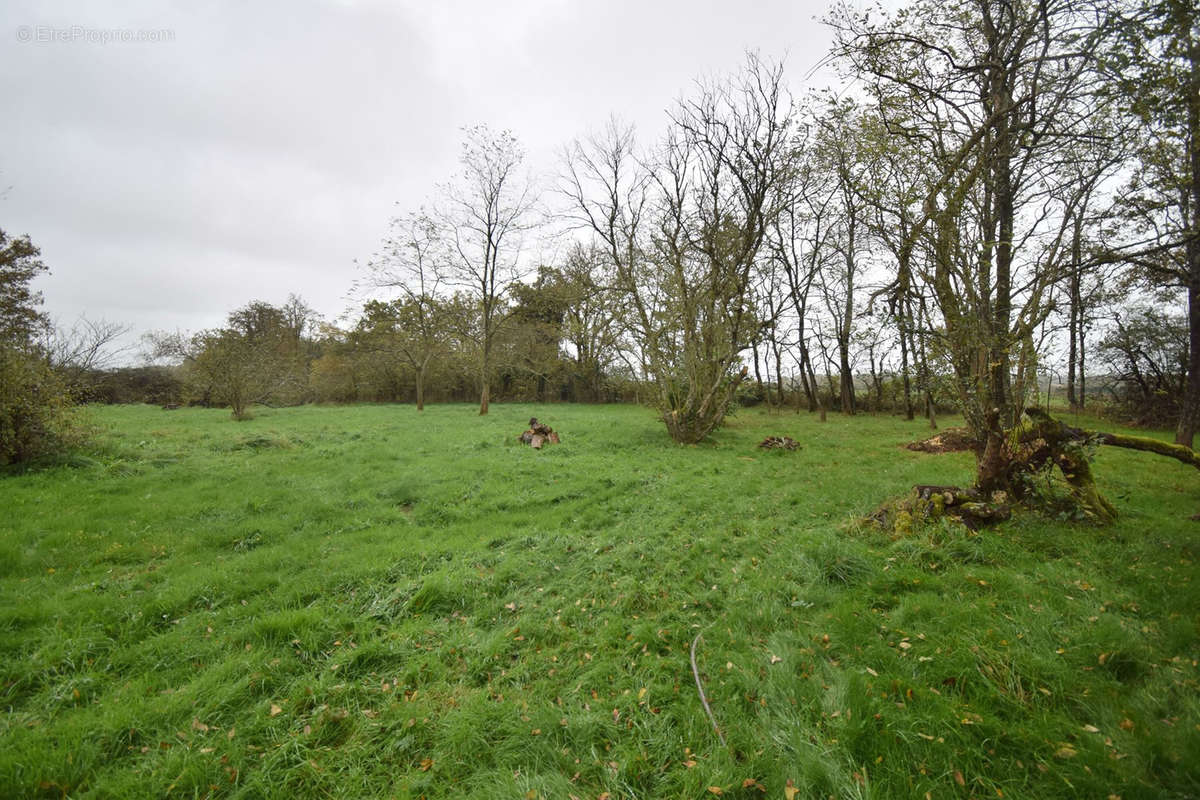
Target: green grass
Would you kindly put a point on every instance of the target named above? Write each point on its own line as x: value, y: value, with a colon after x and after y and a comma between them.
x: 367, y: 602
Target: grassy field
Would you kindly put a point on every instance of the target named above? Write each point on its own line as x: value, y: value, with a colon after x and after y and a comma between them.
x: 367, y: 602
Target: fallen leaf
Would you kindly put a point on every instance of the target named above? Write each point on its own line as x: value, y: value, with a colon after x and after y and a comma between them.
x: 197, y: 725
x: 1066, y: 751
x: 958, y: 778
x: 1126, y: 724
x: 426, y: 764
x: 689, y: 763
x: 775, y: 659
x: 641, y: 692
x: 790, y: 791
x: 715, y: 790
x: 1091, y: 729
x: 872, y: 672
x: 275, y: 710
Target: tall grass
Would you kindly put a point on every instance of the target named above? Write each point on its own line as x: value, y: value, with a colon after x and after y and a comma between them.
x: 367, y: 602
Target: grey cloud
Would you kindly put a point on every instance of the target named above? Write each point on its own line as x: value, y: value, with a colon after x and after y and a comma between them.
x: 263, y: 148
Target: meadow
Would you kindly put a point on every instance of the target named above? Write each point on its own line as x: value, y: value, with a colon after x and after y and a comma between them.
x: 364, y: 601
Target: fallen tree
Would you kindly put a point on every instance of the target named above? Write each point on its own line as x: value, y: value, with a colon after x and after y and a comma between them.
x: 1030, y: 454
x: 1051, y: 441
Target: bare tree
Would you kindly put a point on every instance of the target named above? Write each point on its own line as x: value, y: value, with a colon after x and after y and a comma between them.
x: 684, y: 232
x: 1156, y: 80
x: 487, y: 211
x: 85, y: 348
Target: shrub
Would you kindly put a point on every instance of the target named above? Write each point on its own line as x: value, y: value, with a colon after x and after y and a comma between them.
x: 37, y: 418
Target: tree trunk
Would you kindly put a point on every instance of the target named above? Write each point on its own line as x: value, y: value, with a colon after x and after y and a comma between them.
x: 758, y: 381
x: 809, y: 384
x: 992, y: 467
x: 1075, y: 317
x: 1189, y: 415
x: 846, y: 381
x: 485, y: 363
x: 908, y: 403
x: 778, y: 373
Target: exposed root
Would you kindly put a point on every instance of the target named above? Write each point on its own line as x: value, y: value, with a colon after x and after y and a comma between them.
x: 927, y: 503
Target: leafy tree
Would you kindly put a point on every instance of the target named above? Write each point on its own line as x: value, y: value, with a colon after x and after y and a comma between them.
x: 416, y: 326
x: 21, y: 322
x: 35, y: 402
x: 262, y: 355
x: 590, y: 328
x: 534, y: 336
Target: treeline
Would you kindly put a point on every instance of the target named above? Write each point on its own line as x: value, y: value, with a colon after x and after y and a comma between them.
x: 1004, y: 196
x: 551, y: 347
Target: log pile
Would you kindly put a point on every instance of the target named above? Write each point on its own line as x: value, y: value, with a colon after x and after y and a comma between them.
x: 538, y: 434
x: 779, y: 443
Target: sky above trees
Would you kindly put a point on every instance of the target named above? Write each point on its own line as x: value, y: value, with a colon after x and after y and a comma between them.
x: 259, y: 150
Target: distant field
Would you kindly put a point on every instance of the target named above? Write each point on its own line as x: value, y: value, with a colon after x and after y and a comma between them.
x: 370, y: 602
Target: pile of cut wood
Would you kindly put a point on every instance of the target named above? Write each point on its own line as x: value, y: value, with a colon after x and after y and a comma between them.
x: 538, y: 434
x: 779, y: 443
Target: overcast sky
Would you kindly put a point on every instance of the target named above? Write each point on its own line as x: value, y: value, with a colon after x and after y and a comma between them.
x: 257, y: 149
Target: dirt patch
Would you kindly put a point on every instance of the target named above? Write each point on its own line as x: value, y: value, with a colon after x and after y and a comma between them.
x: 951, y: 440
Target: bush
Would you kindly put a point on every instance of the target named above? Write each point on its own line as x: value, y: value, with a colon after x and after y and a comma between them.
x: 37, y: 418
x: 1145, y: 353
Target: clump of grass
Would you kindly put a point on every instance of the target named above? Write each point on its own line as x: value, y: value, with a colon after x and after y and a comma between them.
x: 839, y: 563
